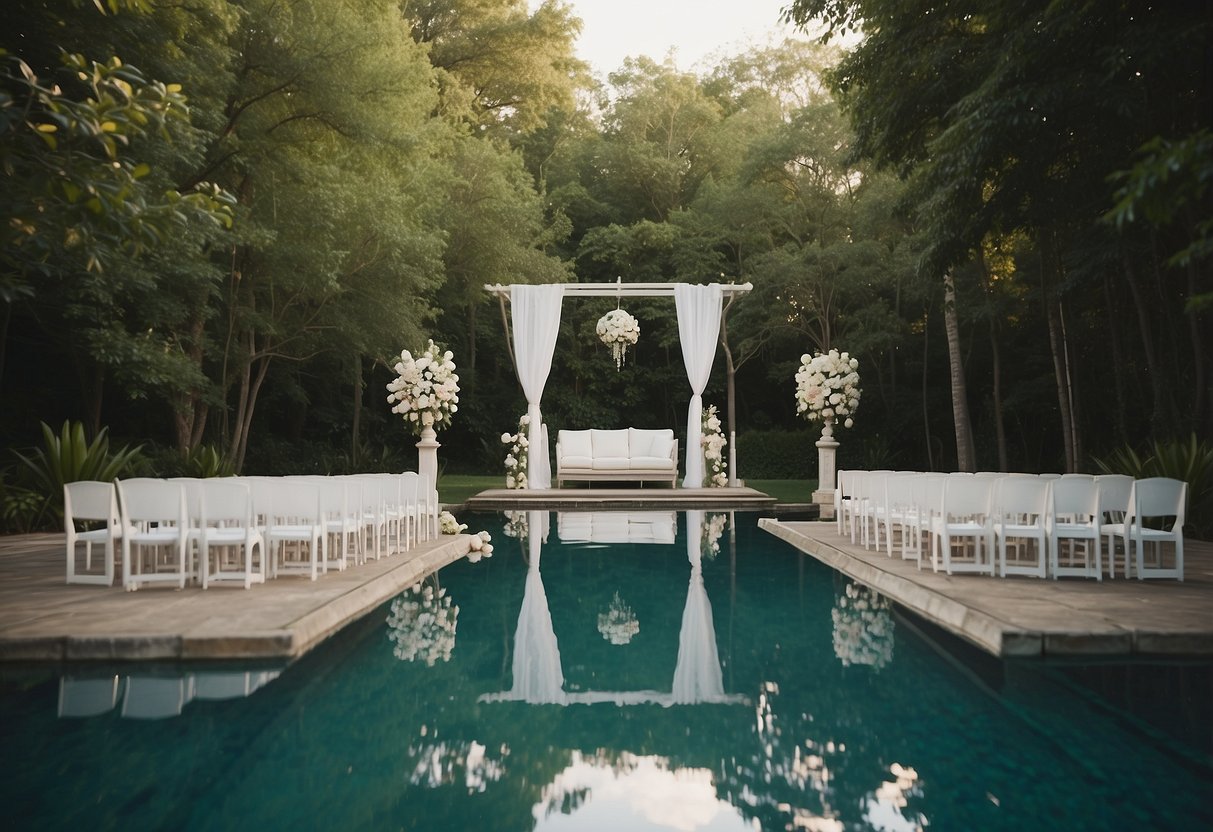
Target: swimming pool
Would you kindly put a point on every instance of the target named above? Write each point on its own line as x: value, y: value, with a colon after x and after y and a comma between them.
x: 622, y: 675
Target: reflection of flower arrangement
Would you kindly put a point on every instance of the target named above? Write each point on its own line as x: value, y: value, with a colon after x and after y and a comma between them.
x: 617, y: 329
x: 618, y: 624
x: 447, y: 763
x: 713, y: 527
x: 422, y: 625
x: 827, y: 387
x: 713, y: 442
x: 516, y: 524
x: 863, y: 627
x: 426, y: 391
x: 447, y: 524
x: 516, y: 458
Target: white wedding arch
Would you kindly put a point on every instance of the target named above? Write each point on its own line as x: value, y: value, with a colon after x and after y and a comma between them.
x: 536, y: 322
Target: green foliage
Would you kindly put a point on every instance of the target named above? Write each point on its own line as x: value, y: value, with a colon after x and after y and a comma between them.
x: 777, y: 454
x: 207, y: 461
x: 1188, y: 460
x: 69, y: 457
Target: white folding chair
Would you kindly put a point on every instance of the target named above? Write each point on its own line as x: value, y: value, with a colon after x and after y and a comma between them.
x: 414, y: 507
x: 843, y: 494
x: 927, y: 494
x: 1074, y: 517
x: 1164, y: 501
x: 428, y: 498
x: 964, y: 516
x: 1115, y: 490
x: 898, y: 514
x: 339, y: 508
x: 97, y: 502
x: 229, y: 534
x: 154, y: 517
x: 295, y: 538
x: 1021, y: 505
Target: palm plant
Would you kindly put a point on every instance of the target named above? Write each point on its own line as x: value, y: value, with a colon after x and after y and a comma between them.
x: 1187, y: 460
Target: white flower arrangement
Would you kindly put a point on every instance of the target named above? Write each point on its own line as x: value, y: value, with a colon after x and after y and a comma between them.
x: 713, y: 442
x: 617, y: 329
x: 827, y: 388
x: 863, y: 627
x: 713, y: 528
x: 422, y: 625
x: 618, y: 624
x: 426, y: 389
x: 447, y: 524
x: 516, y: 457
x: 480, y: 547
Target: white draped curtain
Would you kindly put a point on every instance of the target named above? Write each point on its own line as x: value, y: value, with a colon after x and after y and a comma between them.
x: 536, y: 322
x: 698, y: 331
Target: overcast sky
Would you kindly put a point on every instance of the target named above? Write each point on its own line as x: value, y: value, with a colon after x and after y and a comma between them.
x: 615, y: 29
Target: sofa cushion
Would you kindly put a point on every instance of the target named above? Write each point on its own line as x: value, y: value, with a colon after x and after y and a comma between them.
x: 650, y: 442
x: 611, y: 463
x: 660, y: 463
x: 575, y: 443
x: 568, y: 462
x: 610, y: 443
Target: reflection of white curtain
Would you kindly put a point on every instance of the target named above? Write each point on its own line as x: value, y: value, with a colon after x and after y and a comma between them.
x: 538, y: 677
x: 698, y: 330
x: 536, y: 322
x: 697, y: 678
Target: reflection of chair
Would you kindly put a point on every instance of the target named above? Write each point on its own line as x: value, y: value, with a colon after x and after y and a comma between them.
x: 220, y: 684
x: 226, y: 510
x: 154, y: 697
x: 83, y: 501
x: 153, y: 517
x: 1021, y: 505
x: 88, y: 697
x: 1075, y: 517
x: 1157, y: 499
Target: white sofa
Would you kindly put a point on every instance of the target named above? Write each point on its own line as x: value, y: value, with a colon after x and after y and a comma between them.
x: 616, y: 526
x: 628, y: 454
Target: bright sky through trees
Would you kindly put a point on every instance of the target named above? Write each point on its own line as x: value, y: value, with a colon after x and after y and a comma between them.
x: 616, y: 29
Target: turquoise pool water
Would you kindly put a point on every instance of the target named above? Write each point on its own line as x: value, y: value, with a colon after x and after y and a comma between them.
x: 721, y: 682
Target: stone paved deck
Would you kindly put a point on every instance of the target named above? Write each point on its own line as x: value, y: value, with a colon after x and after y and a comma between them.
x: 44, y: 619
x: 1020, y: 616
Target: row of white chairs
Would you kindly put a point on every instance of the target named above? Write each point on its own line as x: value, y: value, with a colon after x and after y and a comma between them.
x: 1017, y: 524
x: 241, y: 529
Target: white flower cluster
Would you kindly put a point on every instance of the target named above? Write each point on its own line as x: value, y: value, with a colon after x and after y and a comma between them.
x: 516, y: 457
x: 713, y: 443
x: 480, y: 547
x: 447, y: 524
x: 863, y: 627
x: 827, y: 387
x: 426, y: 391
x: 617, y: 329
x: 422, y: 625
x: 713, y: 527
x: 618, y: 624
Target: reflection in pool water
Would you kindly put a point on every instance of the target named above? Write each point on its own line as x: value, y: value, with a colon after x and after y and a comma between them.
x: 759, y: 691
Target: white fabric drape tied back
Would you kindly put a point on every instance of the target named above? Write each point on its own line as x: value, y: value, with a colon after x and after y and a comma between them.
x: 699, y: 310
x: 535, y: 312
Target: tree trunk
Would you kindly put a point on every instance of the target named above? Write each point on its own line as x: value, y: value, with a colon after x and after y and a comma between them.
x: 471, y: 363
x: 355, y: 428
x: 245, y: 425
x: 8, y: 314
x: 926, y: 412
x: 1000, y: 429
x: 1161, y: 413
x: 965, y: 457
x: 1118, y: 377
x: 1200, y: 353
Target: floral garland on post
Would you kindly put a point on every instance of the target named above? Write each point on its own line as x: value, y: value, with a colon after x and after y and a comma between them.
x: 863, y: 627
x: 713, y: 443
x: 827, y: 389
x: 516, y: 458
x: 617, y: 329
x: 426, y: 389
x: 422, y: 624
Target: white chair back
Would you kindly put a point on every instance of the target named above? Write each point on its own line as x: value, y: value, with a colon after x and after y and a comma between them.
x: 88, y: 500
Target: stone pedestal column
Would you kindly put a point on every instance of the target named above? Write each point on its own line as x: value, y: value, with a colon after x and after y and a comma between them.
x: 427, y: 456
x: 827, y: 448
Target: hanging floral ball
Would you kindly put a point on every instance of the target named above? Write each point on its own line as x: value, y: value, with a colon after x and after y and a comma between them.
x: 617, y: 329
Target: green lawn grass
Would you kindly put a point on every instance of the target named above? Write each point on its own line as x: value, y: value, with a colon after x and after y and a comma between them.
x: 457, y: 488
